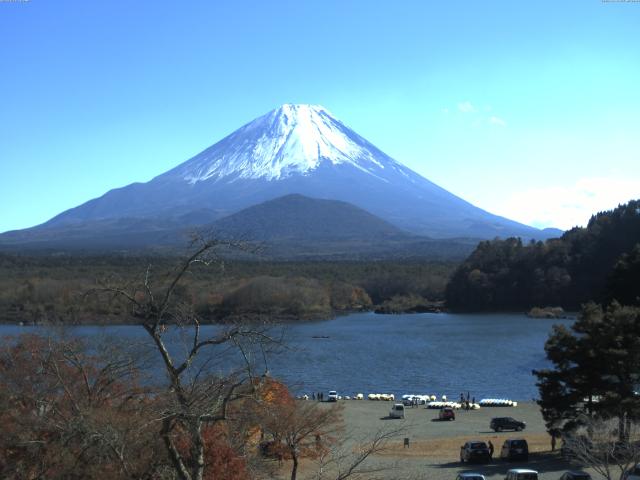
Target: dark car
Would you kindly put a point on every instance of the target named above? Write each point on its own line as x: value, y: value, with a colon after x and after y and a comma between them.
x: 474, y: 451
x: 633, y: 473
x: 447, y: 414
x: 575, y: 475
x: 506, y: 423
x: 515, y: 449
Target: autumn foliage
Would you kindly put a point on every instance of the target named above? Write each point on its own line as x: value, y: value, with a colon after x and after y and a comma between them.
x: 71, y: 412
x: 223, y: 462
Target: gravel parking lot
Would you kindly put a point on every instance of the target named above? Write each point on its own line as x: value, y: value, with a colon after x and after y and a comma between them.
x: 434, y: 446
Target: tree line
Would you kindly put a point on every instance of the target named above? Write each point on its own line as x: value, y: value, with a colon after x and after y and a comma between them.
x: 50, y: 289
x: 599, y: 262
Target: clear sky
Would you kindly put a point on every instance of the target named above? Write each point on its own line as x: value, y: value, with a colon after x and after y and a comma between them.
x: 527, y: 109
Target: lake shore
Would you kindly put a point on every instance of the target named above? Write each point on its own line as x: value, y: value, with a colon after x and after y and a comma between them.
x: 365, y: 417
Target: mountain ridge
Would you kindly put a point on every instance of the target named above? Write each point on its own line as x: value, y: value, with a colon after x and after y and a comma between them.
x: 292, y: 227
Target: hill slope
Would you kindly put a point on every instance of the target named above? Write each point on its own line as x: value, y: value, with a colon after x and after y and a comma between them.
x: 295, y: 226
x: 302, y: 219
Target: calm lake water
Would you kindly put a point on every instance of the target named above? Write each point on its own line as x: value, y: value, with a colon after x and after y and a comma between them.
x: 489, y: 355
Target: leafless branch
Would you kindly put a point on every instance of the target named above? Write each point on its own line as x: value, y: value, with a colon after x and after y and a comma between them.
x: 598, y: 445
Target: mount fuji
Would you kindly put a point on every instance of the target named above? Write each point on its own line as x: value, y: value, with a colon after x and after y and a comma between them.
x: 295, y: 149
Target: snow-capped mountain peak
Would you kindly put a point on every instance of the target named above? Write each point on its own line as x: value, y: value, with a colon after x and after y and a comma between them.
x: 295, y: 149
x: 290, y: 140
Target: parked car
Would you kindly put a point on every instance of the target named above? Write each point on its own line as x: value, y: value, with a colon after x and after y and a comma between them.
x: 397, y: 411
x: 506, y: 423
x: 446, y: 413
x: 575, y: 475
x: 474, y: 451
x: 633, y: 473
x: 515, y: 449
x: 333, y: 396
x: 469, y: 476
x: 521, y: 474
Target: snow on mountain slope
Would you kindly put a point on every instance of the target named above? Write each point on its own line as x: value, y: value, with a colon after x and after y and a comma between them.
x: 293, y: 139
x: 295, y: 149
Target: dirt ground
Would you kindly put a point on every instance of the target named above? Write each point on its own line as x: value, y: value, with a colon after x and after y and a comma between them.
x: 434, y: 446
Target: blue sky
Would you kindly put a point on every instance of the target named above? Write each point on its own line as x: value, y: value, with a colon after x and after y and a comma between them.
x: 527, y: 109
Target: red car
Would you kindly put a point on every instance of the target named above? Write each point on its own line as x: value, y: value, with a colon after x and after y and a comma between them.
x: 447, y: 413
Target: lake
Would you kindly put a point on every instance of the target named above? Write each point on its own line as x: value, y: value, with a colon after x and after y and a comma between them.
x: 489, y: 355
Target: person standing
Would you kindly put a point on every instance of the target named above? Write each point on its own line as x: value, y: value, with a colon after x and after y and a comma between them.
x: 490, y: 449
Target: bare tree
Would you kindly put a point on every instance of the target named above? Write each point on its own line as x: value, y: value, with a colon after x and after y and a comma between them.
x: 215, y: 370
x: 70, y: 411
x: 351, y: 458
x: 197, y: 396
x: 300, y: 429
x: 597, y: 445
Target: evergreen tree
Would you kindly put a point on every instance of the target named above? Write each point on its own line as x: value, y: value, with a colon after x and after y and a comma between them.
x: 596, y: 369
x: 600, y: 262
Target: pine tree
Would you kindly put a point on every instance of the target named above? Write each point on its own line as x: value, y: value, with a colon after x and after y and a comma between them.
x: 596, y: 369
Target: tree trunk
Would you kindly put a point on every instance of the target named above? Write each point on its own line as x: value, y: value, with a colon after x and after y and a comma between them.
x: 174, y: 455
x: 294, y: 469
x: 198, y: 451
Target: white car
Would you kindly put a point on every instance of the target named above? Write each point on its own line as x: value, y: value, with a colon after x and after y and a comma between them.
x: 333, y: 396
x: 397, y: 411
x: 470, y: 476
x: 521, y: 474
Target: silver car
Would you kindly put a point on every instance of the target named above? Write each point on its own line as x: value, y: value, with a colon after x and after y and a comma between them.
x: 470, y: 476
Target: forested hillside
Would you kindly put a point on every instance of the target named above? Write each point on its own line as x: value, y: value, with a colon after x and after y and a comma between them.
x: 600, y: 262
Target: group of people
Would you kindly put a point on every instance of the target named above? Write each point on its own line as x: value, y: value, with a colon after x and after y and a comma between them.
x: 318, y: 396
x: 467, y: 403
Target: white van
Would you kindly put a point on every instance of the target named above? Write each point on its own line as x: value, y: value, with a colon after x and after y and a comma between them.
x: 333, y: 396
x: 397, y: 411
x: 521, y: 474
